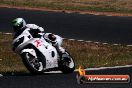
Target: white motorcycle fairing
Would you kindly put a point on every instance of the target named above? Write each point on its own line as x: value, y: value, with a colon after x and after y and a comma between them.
x: 31, y: 51
x: 46, y: 49
x: 49, y: 52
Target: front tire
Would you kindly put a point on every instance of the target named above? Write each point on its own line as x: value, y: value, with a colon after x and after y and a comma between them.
x: 32, y: 64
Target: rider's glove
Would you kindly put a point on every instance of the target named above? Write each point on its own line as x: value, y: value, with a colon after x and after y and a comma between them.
x: 41, y: 29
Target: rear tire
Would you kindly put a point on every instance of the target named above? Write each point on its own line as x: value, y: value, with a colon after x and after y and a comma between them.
x: 67, y: 64
x: 33, y: 69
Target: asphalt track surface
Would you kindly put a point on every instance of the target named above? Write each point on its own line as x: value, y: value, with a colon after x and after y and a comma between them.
x: 86, y: 27
x: 61, y: 80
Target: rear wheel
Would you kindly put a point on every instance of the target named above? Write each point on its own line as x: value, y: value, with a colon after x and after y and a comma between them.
x: 34, y: 65
x: 67, y: 64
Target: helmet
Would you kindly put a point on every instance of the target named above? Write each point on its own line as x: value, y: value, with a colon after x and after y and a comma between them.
x: 18, y: 24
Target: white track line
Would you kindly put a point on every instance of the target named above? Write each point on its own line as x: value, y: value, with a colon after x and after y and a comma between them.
x: 105, y: 43
x: 101, y: 68
x: 54, y: 72
x: 129, y: 45
x: 80, y: 40
x: 116, y: 44
x: 8, y: 33
x: 71, y: 39
x: 96, y: 42
x: 88, y: 41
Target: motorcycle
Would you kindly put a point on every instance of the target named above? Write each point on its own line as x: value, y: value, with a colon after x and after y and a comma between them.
x: 39, y: 56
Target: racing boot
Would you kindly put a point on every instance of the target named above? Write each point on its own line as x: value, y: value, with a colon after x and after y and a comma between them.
x: 60, y: 50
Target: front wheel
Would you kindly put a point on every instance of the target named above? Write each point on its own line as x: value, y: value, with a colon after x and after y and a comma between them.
x: 32, y: 64
x: 67, y: 64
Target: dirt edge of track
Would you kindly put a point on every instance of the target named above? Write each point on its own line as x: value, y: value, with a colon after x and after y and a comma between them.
x: 69, y: 11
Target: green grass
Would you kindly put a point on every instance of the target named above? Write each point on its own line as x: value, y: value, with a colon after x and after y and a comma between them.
x: 120, y: 6
x: 85, y: 54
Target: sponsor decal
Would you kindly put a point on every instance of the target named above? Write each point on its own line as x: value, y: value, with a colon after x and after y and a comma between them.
x: 82, y: 78
x: 38, y: 43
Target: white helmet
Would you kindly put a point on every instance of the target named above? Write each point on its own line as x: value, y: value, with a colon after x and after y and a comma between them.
x: 18, y: 24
